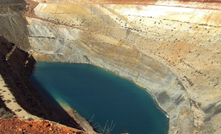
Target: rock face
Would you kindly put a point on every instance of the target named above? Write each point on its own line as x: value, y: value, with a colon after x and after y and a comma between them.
x: 171, y: 48
x: 12, y: 24
x: 18, y: 93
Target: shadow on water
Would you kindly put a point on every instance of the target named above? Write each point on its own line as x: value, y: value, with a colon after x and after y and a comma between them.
x: 67, y: 119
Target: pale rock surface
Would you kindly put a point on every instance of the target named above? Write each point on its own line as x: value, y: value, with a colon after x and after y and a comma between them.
x: 171, y: 48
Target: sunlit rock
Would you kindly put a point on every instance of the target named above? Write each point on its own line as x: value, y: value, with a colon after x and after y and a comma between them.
x: 172, y: 48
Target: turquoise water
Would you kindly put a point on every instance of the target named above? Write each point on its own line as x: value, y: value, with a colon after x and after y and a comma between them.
x: 94, y: 92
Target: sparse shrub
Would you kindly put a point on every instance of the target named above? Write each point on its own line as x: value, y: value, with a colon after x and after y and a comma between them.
x: 106, y: 129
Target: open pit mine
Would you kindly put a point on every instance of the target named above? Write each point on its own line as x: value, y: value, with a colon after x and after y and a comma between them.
x: 171, y: 48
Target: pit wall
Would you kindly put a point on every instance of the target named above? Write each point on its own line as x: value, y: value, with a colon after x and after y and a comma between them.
x: 173, y: 52
x: 169, y: 47
x: 18, y: 93
x: 12, y: 24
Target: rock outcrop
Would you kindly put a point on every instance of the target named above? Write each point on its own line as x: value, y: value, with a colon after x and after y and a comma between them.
x: 20, y: 97
x: 12, y: 25
x: 171, y: 48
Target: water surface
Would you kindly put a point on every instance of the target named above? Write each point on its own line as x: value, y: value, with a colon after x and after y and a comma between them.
x: 94, y: 92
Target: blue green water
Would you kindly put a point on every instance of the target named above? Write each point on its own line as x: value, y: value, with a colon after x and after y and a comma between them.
x: 94, y: 92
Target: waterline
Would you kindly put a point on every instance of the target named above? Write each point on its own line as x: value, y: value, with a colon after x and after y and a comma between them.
x: 92, y: 91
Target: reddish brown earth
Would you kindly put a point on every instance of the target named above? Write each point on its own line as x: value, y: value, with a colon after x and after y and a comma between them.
x: 205, y: 117
x: 198, y: 4
x: 30, y: 10
x: 17, y: 126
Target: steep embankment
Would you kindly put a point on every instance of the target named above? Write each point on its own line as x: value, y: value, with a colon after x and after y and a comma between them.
x: 12, y: 25
x: 171, y: 48
x: 18, y: 93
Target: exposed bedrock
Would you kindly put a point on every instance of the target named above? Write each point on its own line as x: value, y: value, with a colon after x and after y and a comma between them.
x: 12, y: 25
x: 171, y: 48
x: 18, y: 93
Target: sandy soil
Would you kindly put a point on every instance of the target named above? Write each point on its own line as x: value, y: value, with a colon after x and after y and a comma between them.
x: 10, y: 102
x: 17, y: 126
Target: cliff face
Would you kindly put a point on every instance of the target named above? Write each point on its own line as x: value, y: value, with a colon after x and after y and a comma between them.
x: 169, y: 47
x: 18, y: 93
x: 12, y: 25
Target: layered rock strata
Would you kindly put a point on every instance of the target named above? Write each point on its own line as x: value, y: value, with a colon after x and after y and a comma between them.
x: 12, y: 24
x: 170, y: 48
x: 21, y: 96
